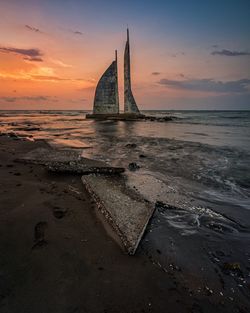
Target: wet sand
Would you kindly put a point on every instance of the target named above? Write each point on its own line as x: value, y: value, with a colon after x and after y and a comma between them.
x: 56, y: 256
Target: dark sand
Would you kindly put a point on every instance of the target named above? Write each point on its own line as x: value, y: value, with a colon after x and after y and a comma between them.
x: 56, y: 256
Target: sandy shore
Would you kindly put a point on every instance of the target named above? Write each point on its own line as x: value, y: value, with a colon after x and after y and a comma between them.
x: 56, y: 256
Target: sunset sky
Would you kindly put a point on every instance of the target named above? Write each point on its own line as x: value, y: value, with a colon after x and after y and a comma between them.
x: 184, y: 54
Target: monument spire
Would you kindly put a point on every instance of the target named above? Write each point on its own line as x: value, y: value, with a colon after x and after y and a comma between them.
x: 116, y: 86
x: 130, y: 105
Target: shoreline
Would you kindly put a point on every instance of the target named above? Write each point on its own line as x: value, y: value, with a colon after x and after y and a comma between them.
x: 77, y: 266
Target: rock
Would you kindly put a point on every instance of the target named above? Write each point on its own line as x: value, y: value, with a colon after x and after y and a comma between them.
x: 142, y: 156
x: 133, y: 166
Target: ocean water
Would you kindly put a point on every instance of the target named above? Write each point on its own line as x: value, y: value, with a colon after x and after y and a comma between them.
x: 201, y: 159
x: 200, y: 156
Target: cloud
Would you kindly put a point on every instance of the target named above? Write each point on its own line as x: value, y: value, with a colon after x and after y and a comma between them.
x: 208, y: 85
x: 28, y: 54
x: 40, y: 75
x: 35, y: 59
x: 230, y: 53
x: 29, y: 98
x: 155, y: 73
x: 48, y: 77
x: 60, y: 63
x: 56, y: 78
x: 175, y: 55
x: 76, y: 32
x: 33, y: 29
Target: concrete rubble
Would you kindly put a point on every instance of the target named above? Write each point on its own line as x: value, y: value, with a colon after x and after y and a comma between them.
x: 125, y: 210
x: 68, y: 161
x: 84, y: 167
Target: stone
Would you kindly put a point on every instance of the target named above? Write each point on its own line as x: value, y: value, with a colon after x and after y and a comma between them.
x: 133, y: 166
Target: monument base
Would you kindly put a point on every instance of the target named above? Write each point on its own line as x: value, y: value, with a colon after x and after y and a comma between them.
x: 117, y: 117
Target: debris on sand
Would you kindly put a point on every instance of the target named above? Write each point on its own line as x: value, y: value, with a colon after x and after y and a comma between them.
x: 39, y: 234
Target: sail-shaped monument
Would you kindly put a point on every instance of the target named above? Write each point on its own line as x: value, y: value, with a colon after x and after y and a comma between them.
x: 106, y: 101
x: 130, y: 105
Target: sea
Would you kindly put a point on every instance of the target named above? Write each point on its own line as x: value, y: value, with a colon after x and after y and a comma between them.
x: 202, y: 155
x: 195, y: 169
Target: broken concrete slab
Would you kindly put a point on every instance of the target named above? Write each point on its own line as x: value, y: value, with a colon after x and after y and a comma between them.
x: 84, y: 167
x: 68, y: 161
x: 44, y: 155
x: 125, y: 210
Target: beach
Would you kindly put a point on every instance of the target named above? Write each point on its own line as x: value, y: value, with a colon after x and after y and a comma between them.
x: 79, y: 268
x: 58, y: 255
